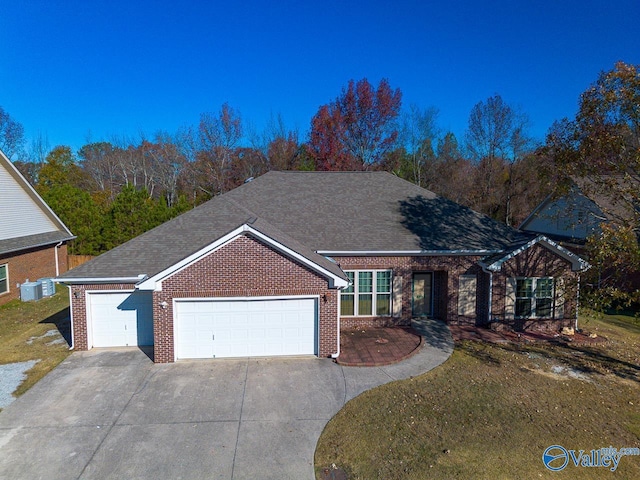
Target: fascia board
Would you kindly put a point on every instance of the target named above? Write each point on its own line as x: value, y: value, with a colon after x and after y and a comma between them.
x: 336, y: 280
x: 35, y: 196
x: 383, y: 253
x: 577, y: 264
x: 38, y: 245
x: 99, y: 280
x: 152, y: 282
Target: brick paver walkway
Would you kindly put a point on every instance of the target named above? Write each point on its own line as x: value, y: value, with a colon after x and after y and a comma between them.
x: 377, y: 346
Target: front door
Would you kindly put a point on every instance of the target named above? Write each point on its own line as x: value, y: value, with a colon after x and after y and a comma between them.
x: 422, y: 294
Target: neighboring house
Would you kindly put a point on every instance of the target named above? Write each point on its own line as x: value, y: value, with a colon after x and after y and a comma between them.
x: 282, y: 264
x: 32, y: 238
x: 573, y: 217
x: 570, y: 218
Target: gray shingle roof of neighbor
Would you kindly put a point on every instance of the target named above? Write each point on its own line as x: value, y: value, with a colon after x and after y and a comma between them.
x: 11, y: 245
x: 309, y: 212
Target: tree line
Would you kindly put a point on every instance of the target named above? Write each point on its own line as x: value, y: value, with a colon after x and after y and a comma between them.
x: 494, y: 169
x: 110, y: 191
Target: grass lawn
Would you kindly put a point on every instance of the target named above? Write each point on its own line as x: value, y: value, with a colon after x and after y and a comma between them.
x: 23, y: 334
x: 491, y: 410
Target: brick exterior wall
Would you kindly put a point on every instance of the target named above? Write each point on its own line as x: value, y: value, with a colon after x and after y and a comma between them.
x: 446, y: 270
x: 31, y: 264
x: 79, y: 314
x: 244, y: 267
x: 536, y: 261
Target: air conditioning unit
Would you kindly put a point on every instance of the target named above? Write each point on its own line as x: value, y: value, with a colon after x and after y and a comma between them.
x: 30, y: 291
x: 48, y: 287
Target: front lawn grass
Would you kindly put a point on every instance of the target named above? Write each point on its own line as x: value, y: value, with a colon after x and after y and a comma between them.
x: 22, y: 334
x: 491, y: 410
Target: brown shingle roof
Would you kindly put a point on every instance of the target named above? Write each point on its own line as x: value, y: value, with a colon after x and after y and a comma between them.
x: 309, y: 212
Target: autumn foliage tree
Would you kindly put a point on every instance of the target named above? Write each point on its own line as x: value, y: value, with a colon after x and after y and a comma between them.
x: 600, y: 149
x: 602, y: 143
x: 357, y: 129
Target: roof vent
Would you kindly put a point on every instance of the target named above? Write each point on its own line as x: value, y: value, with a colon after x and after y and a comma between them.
x: 250, y: 179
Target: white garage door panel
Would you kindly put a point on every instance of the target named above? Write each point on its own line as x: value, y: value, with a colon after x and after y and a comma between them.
x: 245, y: 328
x: 121, y: 319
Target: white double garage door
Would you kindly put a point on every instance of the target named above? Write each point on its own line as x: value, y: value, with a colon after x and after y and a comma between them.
x: 208, y: 328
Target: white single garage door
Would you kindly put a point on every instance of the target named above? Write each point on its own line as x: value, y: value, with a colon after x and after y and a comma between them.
x: 120, y: 319
x: 245, y: 328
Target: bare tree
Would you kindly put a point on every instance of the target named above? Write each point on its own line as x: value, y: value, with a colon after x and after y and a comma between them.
x: 218, y: 137
x: 11, y: 135
x: 278, y: 146
x: 99, y: 161
x: 496, y: 139
x: 418, y: 135
x: 165, y: 163
x: 39, y: 148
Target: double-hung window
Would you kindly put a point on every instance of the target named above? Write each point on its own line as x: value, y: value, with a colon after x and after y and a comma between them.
x: 4, y: 279
x: 369, y: 293
x: 534, y: 297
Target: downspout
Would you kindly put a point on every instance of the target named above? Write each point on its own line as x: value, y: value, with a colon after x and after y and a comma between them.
x: 55, y: 250
x: 577, y: 304
x: 490, y: 309
x: 337, y: 354
x: 71, y: 317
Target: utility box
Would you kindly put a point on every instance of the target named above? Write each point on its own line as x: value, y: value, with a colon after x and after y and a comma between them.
x: 30, y: 291
x: 48, y: 287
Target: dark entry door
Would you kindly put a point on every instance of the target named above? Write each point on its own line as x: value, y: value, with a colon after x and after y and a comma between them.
x: 422, y: 294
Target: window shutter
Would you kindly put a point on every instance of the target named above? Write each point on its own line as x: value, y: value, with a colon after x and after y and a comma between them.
x: 467, y: 295
x: 510, y: 299
x: 558, y: 311
x: 396, y: 303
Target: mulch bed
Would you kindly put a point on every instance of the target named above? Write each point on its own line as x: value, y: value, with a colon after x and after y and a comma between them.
x: 467, y: 332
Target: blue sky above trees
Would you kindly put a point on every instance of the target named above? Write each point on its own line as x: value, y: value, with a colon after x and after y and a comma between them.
x: 78, y: 71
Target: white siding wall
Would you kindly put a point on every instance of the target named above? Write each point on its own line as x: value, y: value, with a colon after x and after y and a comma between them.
x: 19, y: 214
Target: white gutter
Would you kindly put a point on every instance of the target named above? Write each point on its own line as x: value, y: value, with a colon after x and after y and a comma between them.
x: 101, y: 280
x: 357, y: 253
x: 37, y: 245
x: 71, y: 319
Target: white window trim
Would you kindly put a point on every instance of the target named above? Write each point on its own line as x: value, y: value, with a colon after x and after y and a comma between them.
x: 6, y: 272
x: 374, y: 293
x: 534, y: 298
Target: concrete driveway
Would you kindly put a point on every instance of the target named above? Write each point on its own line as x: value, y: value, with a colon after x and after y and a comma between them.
x: 114, y: 414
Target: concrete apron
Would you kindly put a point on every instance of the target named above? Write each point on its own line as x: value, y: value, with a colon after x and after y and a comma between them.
x: 114, y: 414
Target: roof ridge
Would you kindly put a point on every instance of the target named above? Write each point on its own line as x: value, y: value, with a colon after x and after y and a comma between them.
x: 252, y: 215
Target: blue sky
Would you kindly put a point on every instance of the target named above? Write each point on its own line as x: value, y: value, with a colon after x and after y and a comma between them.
x: 76, y: 71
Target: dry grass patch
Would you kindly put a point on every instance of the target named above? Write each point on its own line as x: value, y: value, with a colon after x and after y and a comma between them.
x: 29, y: 331
x: 491, y: 410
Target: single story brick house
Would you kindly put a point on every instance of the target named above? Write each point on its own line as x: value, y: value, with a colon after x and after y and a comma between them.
x: 33, y: 240
x: 284, y: 263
